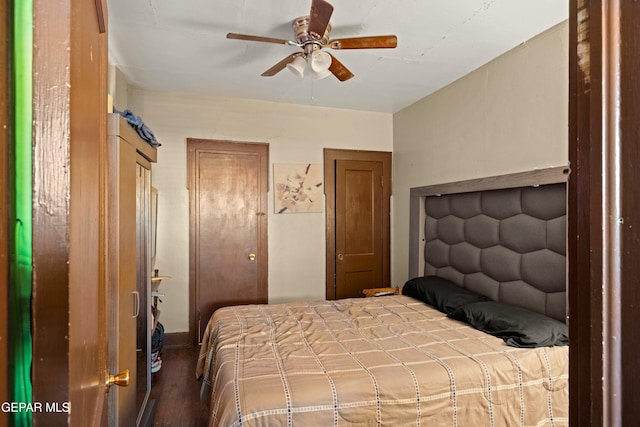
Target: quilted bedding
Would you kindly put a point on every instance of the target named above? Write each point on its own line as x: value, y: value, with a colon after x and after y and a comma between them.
x: 386, y: 361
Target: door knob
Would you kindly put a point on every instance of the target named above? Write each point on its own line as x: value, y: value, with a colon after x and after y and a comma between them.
x: 340, y: 256
x: 121, y: 379
x: 252, y: 257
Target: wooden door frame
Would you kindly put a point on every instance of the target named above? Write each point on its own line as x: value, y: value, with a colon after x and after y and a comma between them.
x: 331, y: 155
x: 604, y: 212
x: 193, y: 146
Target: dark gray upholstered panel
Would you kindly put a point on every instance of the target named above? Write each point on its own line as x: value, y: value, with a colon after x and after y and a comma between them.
x: 507, y: 244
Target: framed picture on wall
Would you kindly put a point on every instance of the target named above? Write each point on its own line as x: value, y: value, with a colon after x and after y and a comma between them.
x: 298, y: 188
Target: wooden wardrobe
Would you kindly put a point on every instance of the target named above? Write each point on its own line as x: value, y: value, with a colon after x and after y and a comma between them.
x: 129, y: 272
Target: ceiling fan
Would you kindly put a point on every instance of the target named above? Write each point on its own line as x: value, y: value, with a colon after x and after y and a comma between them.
x: 312, y: 36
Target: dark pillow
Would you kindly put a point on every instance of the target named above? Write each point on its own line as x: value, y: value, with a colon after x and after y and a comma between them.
x: 517, y: 326
x: 441, y: 293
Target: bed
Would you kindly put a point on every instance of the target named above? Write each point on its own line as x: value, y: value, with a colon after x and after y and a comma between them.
x: 424, y: 357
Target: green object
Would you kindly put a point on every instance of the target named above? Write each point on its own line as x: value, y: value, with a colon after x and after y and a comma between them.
x: 21, y: 268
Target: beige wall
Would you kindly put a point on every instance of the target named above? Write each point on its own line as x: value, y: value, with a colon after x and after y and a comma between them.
x: 296, y: 134
x: 117, y: 87
x: 508, y: 116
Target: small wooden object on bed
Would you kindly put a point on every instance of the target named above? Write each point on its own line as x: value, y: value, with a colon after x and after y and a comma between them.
x: 368, y: 293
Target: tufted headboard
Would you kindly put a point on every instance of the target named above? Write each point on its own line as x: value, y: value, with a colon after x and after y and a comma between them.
x: 507, y: 243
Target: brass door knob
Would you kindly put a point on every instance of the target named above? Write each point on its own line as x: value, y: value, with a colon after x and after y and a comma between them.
x: 252, y: 257
x: 121, y: 379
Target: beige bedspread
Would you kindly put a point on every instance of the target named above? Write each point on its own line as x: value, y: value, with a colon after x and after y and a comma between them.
x: 390, y: 361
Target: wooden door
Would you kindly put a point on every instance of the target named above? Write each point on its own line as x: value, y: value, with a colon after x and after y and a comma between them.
x: 68, y: 305
x: 358, y: 187
x: 228, y: 227
x: 358, y: 227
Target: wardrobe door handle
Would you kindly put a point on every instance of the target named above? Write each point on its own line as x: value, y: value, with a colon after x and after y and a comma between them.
x: 136, y: 303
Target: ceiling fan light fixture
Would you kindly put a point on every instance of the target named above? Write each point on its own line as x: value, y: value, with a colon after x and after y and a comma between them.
x: 320, y: 61
x: 297, y: 66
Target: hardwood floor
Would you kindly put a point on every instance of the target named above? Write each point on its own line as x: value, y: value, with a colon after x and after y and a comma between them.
x: 176, y: 390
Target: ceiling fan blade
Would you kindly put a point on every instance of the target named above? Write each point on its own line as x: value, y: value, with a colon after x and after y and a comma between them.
x: 374, y: 42
x: 319, y: 18
x: 248, y: 37
x: 341, y: 72
x: 280, y: 65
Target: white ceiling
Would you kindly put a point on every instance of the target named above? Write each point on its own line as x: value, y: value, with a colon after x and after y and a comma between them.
x: 181, y: 46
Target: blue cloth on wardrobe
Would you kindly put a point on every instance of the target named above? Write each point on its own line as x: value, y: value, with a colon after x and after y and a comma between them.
x: 142, y: 129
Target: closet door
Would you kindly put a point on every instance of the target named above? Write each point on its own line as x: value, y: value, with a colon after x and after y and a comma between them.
x: 122, y: 281
x: 228, y: 227
x: 359, y: 227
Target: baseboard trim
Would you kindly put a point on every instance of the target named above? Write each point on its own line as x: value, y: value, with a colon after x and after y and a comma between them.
x: 176, y: 340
